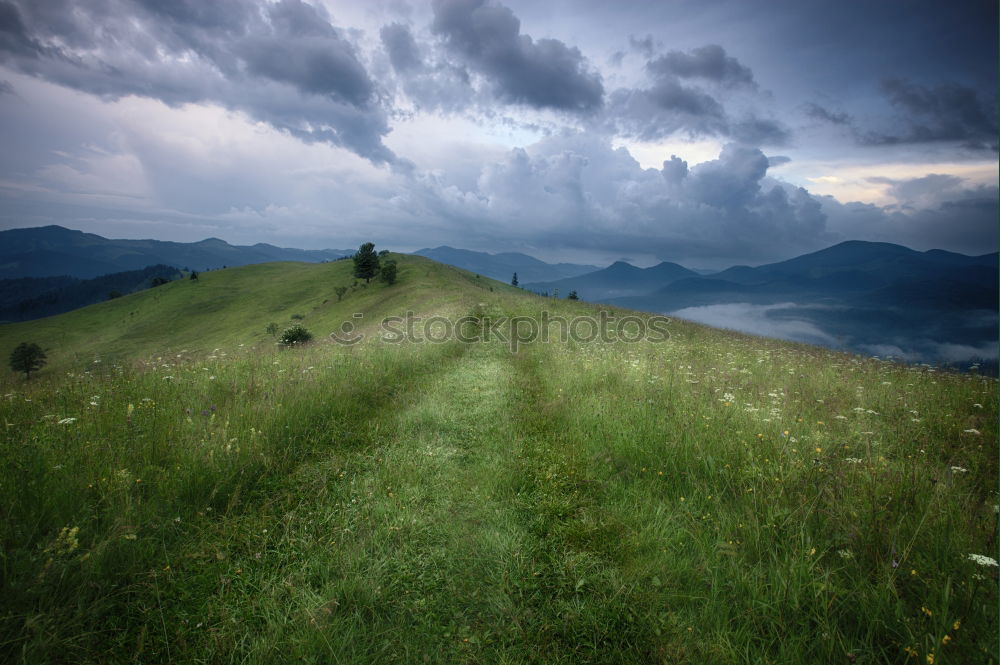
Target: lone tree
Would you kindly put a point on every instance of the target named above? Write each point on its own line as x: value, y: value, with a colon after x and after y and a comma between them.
x: 513, y: 280
x: 194, y: 274
x: 295, y: 335
x: 388, y: 272
x: 366, y: 262
x: 340, y: 291
x: 27, y: 358
x: 272, y: 329
x: 572, y: 296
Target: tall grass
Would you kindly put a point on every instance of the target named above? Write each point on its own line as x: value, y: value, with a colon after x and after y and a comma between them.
x: 715, y: 498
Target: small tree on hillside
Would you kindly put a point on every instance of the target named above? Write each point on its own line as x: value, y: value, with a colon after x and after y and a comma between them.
x: 295, y: 335
x: 366, y: 262
x: 388, y: 272
x: 340, y: 291
x: 27, y: 358
x: 572, y: 296
x: 513, y: 280
x: 194, y: 274
x: 272, y: 329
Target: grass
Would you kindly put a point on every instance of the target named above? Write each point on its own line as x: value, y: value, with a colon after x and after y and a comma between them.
x: 200, y: 496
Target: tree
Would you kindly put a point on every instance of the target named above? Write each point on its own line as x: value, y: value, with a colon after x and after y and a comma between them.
x: 27, y: 358
x: 572, y: 296
x: 366, y: 262
x: 114, y: 294
x: 194, y: 274
x: 160, y: 281
x: 295, y: 335
x: 340, y: 291
x: 388, y: 272
x: 513, y: 280
x: 272, y: 329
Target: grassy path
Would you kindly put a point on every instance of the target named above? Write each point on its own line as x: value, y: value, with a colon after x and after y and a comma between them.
x: 466, y: 532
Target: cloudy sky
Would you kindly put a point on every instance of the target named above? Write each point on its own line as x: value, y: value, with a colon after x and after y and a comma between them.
x: 709, y: 132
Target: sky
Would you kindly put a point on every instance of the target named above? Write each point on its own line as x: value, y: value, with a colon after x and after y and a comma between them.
x: 706, y: 132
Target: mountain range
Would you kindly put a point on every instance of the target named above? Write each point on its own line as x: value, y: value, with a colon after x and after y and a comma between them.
x: 54, y: 250
x: 503, y: 266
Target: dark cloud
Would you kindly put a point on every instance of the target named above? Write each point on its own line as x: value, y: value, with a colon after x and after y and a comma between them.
x: 947, y: 112
x: 818, y: 112
x: 543, y: 73
x: 284, y: 63
x: 402, y: 48
x: 14, y: 37
x: 6, y: 88
x: 708, y: 62
x: 666, y: 108
x: 645, y: 46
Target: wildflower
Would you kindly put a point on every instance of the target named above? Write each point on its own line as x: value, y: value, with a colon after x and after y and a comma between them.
x: 853, y: 460
x: 958, y: 469
x: 946, y: 639
x: 930, y: 658
x: 818, y: 450
x: 913, y: 572
x: 845, y: 554
x: 983, y: 560
x: 911, y: 652
x: 926, y: 611
x: 972, y: 431
x: 956, y: 625
x: 67, y: 421
x: 812, y: 551
x: 977, y: 406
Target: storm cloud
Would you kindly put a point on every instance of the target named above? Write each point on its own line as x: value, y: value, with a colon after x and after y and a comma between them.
x: 577, y: 130
x: 543, y: 73
x: 709, y: 62
x: 283, y: 63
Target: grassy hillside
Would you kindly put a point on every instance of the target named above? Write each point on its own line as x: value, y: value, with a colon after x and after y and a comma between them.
x: 200, y: 496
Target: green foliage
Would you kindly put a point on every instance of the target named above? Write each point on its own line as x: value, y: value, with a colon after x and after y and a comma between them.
x: 340, y: 291
x: 388, y: 272
x: 194, y: 275
x: 298, y: 317
x: 366, y: 264
x: 160, y: 281
x: 27, y: 357
x: 572, y: 296
x: 295, y: 335
x: 513, y: 280
x: 272, y: 329
x: 716, y: 498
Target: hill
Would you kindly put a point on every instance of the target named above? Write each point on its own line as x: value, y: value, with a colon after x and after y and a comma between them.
x: 34, y: 297
x: 617, y: 280
x: 502, y: 266
x: 53, y: 250
x: 174, y: 488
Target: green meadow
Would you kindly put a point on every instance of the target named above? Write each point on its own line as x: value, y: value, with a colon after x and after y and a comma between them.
x: 176, y: 488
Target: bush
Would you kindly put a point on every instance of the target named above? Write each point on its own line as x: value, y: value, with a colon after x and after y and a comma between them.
x: 295, y: 335
x: 298, y: 317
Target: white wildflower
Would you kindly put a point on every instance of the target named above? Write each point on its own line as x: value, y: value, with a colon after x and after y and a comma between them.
x: 67, y: 421
x: 959, y: 469
x: 971, y: 431
x: 983, y: 560
x: 853, y: 460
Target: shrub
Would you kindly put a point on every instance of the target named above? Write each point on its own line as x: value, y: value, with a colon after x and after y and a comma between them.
x: 298, y: 317
x: 295, y: 335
